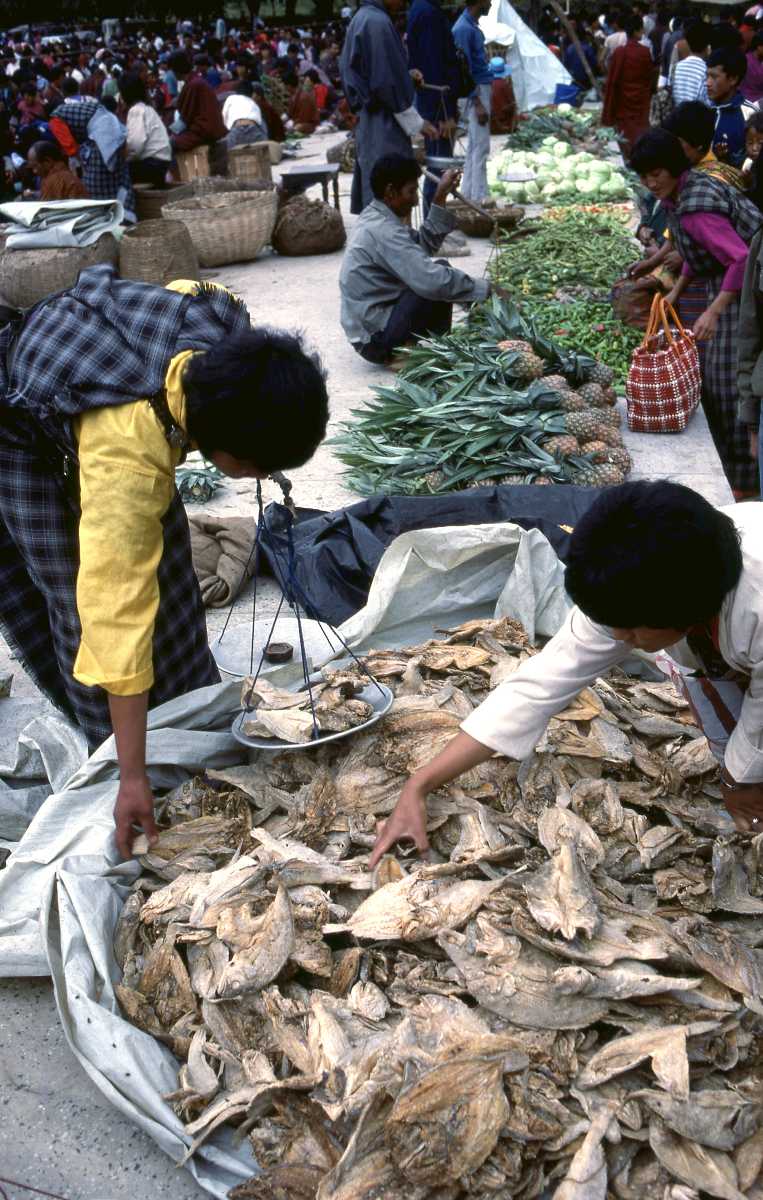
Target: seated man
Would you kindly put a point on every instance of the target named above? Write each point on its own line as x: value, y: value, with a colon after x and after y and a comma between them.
x: 391, y: 288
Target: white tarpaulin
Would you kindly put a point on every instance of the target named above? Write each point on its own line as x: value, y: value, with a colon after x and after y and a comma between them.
x: 535, y: 71
x: 62, y: 890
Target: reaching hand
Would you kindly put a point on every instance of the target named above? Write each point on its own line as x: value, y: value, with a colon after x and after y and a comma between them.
x: 449, y: 181
x: 745, y: 807
x: 430, y: 131
x: 408, y: 819
x: 637, y: 269
x: 416, y: 76
x: 705, y: 325
x: 483, y: 116
x: 134, y: 806
x: 448, y: 129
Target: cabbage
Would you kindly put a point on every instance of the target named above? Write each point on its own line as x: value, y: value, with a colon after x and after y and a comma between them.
x: 514, y: 192
x: 564, y: 109
x: 587, y: 187
x: 532, y: 192
x: 547, y: 160
x: 562, y: 149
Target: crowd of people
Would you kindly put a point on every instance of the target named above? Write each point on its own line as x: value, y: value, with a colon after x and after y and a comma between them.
x: 108, y: 115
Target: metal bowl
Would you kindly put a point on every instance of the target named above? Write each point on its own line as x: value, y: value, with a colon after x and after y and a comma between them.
x: 377, y: 695
x: 443, y: 163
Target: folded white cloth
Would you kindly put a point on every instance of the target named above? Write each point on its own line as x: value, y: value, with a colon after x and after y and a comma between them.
x: 42, y: 225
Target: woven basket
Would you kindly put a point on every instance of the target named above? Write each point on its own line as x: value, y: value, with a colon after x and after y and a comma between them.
x: 193, y: 164
x: 149, y: 201
x: 230, y: 227
x: 158, y: 252
x: 250, y: 163
x: 473, y: 225
x: 27, y: 276
x: 215, y: 185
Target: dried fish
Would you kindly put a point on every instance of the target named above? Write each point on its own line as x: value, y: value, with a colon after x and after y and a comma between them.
x: 566, y: 1000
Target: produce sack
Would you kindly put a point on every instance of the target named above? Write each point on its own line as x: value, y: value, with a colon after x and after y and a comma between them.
x: 632, y: 299
x: 663, y: 385
x: 308, y: 227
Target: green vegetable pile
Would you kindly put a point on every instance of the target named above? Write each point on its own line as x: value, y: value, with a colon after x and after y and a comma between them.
x: 561, y: 121
x: 457, y: 415
x: 571, y: 248
x: 590, y: 326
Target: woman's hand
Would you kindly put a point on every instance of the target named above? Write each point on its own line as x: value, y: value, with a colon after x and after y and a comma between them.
x: 745, y: 805
x: 638, y: 269
x: 705, y: 325
x: 134, y: 806
x: 408, y: 819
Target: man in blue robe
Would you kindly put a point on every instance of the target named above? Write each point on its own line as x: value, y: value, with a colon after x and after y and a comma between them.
x: 380, y: 90
x: 432, y: 51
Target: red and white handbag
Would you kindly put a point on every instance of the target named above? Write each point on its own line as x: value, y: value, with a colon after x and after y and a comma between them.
x: 664, y: 384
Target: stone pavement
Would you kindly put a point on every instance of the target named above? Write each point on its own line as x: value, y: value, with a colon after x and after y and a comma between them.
x: 59, y: 1133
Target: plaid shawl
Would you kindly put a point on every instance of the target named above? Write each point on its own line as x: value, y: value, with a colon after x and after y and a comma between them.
x: 104, y: 342
x: 101, y: 182
x: 704, y: 193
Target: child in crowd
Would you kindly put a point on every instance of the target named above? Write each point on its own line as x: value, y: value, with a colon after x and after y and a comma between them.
x: 726, y: 69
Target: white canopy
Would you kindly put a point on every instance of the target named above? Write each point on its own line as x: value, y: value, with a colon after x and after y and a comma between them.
x: 535, y: 71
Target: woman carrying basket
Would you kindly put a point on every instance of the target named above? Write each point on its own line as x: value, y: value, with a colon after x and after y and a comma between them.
x: 711, y: 225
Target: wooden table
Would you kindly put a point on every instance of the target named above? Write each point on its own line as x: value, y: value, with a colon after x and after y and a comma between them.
x: 298, y: 178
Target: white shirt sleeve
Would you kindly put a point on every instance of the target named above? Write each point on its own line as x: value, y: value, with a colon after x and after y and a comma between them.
x: 410, y: 121
x: 512, y: 719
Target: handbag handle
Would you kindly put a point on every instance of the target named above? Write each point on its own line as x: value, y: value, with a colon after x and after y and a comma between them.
x: 662, y: 313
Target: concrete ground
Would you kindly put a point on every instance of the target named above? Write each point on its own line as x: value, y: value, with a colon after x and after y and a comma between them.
x: 58, y: 1133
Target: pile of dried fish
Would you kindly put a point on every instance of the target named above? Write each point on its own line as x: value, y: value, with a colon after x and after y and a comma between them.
x: 330, y: 706
x: 565, y: 1000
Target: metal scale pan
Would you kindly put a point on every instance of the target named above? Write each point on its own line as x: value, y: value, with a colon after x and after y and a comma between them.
x: 378, y: 695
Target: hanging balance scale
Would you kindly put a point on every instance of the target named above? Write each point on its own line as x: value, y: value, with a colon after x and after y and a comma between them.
x: 296, y: 634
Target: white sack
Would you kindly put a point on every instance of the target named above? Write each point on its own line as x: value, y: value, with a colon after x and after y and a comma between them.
x: 535, y: 71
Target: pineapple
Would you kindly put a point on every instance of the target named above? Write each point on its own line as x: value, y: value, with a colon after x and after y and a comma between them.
x: 598, y: 451
x: 610, y: 395
x: 557, y: 382
x: 599, y: 475
x: 526, y: 365
x: 609, y: 435
x: 434, y: 480
x: 600, y: 373
x: 607, y: 417
x: 562, y: 446
x: 542, y: 479
x: 593, y: 394
x: 620, y: 457
x: 571, y: 402
x: 512, y: 480
x: 584, y: 425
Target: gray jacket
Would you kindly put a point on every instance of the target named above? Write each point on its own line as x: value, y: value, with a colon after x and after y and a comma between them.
x: 750, y: 337
x: 384, y: 258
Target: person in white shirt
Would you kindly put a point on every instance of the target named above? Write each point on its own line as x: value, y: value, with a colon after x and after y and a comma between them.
x: 616, y: 38
x: 242, y: 117
x: 689, y: 76
x: 652, y: 567
x: 149, y: 152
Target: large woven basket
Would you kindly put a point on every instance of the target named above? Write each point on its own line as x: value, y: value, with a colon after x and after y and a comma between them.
x: 27, y: 276
x: 250, y: 163
x: 216, y: 185
x: 227, y: 227
x: 158, y: 252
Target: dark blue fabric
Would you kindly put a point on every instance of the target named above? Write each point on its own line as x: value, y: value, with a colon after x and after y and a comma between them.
x: 729, y: 136
x: 574, y: 63
x: 432, y: 50
x: 337, y: 553
x: 469, y: 37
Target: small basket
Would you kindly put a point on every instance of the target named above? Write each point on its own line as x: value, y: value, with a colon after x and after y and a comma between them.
x: 250, y: 163
x: 158, y: 252
x: 149, y: 201
x: 229, y: 227
x: 27, y: 276
x: 193, y: 164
